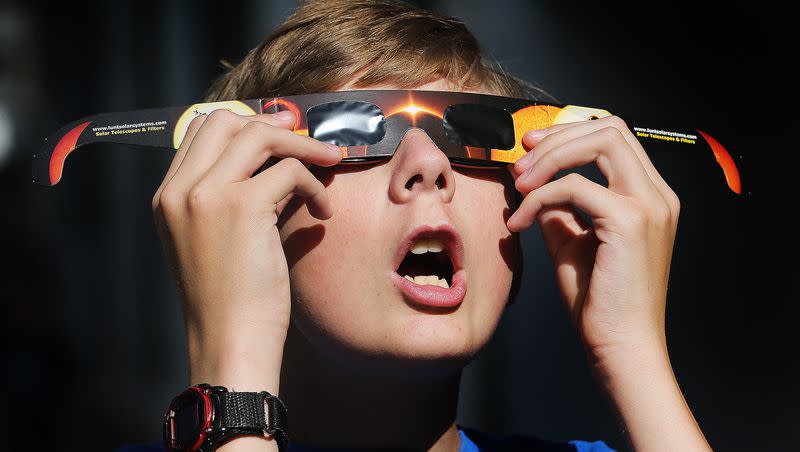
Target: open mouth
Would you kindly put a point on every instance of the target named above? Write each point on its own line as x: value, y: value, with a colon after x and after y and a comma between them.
x: 429, y: 267
x: 427, y: 262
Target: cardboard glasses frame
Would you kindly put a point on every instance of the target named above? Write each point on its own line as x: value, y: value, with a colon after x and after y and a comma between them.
x: 470, y: 129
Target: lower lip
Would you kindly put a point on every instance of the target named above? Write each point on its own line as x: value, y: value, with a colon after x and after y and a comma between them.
x: 435, y: 296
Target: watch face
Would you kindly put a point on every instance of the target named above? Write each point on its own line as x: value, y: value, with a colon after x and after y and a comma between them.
x: 186, y: 420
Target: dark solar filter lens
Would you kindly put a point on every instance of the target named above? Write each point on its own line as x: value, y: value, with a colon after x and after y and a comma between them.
x: 479, y: 126
x: 346, y: 123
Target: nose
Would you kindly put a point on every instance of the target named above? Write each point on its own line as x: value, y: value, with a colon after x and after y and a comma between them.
x: 420, y: 168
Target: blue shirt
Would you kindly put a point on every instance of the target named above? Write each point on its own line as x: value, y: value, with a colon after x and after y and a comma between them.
x: 471, y: 441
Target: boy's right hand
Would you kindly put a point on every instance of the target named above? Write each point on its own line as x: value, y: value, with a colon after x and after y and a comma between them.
x: 217, y: 223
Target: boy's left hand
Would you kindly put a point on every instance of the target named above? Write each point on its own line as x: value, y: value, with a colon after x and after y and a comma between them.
x: 613, y: 273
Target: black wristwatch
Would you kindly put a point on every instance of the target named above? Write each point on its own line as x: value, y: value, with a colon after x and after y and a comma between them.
x: 204, y: 416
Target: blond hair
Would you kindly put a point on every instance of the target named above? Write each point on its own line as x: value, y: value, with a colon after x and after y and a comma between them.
x: 326, y: 44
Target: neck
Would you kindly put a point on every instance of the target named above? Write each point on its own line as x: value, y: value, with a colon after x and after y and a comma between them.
x: 382, y: 404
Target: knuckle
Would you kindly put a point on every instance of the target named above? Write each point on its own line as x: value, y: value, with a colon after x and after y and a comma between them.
x: 220, y: 117
x: 294, y: 165
x: 610, y: 134
x: 200, y: 198
x: 574, y: 179
x: 663, y: 215
x: 674, y: 204
x: 666, y: 212
x: 168, y: 201
x: 617, y: 122
x: 258, y: 131
x: 255, y: 127
x: 155, y: 202
x: 576, y: 183
x: 196, y: 122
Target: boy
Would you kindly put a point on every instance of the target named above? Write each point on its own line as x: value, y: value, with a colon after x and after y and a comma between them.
x: 290, y: 272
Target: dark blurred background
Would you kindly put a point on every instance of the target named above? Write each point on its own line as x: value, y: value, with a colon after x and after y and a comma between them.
x: 95, y: 346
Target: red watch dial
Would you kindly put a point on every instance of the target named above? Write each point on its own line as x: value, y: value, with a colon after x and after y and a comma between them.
x: 188, y: 419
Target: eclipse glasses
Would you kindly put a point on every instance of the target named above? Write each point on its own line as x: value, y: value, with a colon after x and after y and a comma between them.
x: 477, y: 130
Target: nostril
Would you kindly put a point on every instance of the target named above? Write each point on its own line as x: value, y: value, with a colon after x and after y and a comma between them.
x: 440, y: 181
x: 413, y: 180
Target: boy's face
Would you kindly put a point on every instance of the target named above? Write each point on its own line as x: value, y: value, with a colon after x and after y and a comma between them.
x: 345, y: 299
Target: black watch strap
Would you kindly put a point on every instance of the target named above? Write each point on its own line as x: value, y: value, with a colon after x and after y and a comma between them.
x: 244, y: 413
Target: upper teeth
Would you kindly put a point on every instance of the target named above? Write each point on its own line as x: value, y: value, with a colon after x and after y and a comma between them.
x: 427, y: 245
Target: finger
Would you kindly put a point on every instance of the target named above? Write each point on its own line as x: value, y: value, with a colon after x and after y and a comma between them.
x: 257, y: 142
x: 572, y: 189
x: 540, y: 140
x: 212, y: 138
x: 574, y: 263
x: 191, y: 131
x: 655, y: 176
x: 510, y: 168
x: 282, y: 203
x: 289, y: 176
x: 606, y: 147
x: 530, y: 140
x: 560, y: 225
x: 563, y: 132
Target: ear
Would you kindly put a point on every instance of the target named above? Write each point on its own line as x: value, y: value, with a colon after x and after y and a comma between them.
x: 518, y: 268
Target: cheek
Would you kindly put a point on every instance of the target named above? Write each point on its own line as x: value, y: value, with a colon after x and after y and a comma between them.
x: 330, y: 260
x: 498, y: 248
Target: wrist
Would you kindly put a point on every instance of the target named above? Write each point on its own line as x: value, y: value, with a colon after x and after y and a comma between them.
x: 639, y: 380
x: 638, y: 354
x: 248, y: 443
x: 238, y: 361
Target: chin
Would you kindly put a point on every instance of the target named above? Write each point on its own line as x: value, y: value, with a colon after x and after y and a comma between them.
x: 429, y: 337
x: 430, y: 346
x: 427, y: 348
x: 415, y: 359
x: 395, y: 338
x: 448, y: 352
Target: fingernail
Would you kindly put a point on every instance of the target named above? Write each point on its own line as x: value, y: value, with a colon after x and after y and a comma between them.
x: 284, y: 115
x: 535, y: 134
x: 334, y: 148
